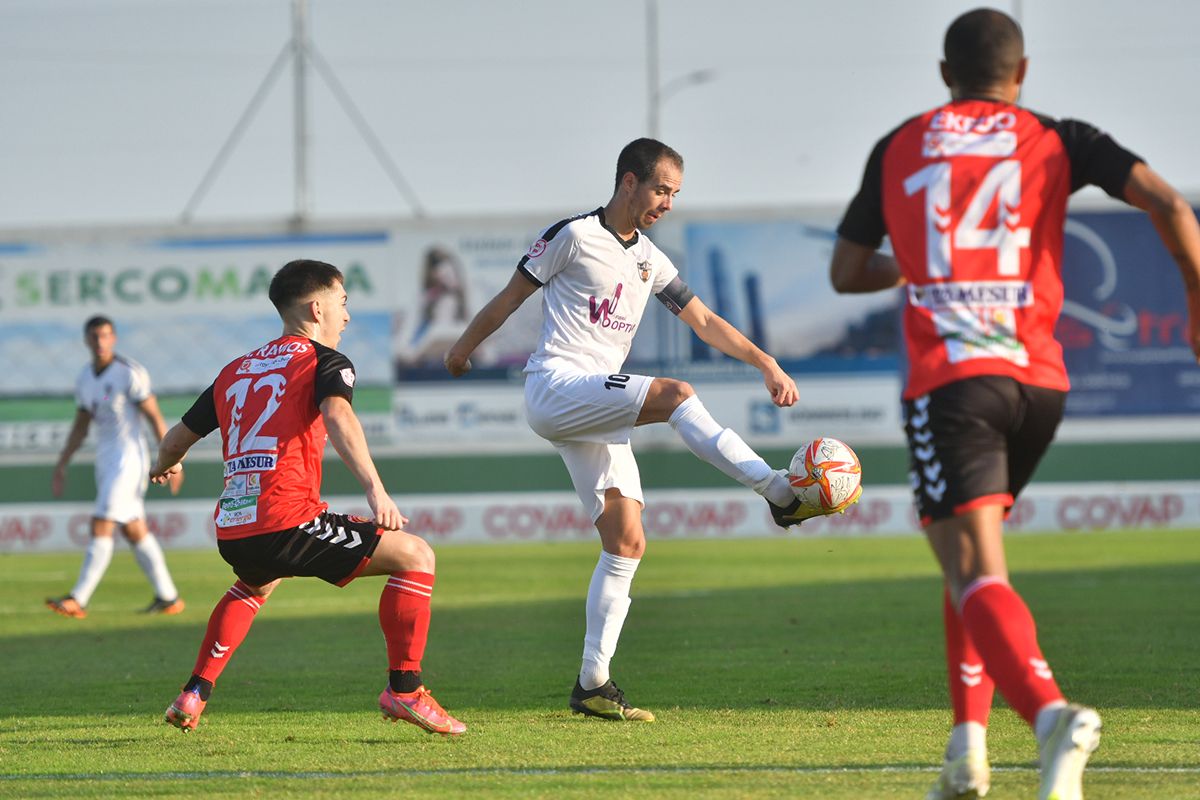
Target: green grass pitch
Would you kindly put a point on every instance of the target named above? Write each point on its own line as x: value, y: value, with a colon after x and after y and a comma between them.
x: 778, y: 668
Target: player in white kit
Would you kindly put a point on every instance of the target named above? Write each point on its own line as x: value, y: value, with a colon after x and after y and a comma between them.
x: 597, y: 271
x: 114, y: 392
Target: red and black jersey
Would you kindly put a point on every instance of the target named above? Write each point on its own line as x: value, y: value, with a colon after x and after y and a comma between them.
x: 267, y: 405
x: 973, y: 196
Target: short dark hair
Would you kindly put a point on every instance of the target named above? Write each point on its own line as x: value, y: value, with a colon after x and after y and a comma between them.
x: 299, y: 279
x: 982, y: 48
x: 641, y: 156
x: 98, y: 321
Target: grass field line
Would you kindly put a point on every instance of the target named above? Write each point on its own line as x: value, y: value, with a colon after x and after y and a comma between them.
x: 557, y: 771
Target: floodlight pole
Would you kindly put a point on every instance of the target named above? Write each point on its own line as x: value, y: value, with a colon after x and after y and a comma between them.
x: 300, y: 48
x: 652, y: 96
x: 300, y: 110
x: 656, y: 92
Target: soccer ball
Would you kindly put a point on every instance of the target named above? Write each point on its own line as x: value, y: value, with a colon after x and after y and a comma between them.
x: 826, y: 476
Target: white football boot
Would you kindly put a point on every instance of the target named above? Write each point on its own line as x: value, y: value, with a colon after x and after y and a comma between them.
x: 1065, y: 752
x: 965, y: 778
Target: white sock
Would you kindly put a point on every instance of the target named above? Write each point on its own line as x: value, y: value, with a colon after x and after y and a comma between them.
x: 726, y: 451
x: 607, y: 605
x: 1043, y: 723
x: 95, y: 562
x: 149, y: 557
x: 966, y: 736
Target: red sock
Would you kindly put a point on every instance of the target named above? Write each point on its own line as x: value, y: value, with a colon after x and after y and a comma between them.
x: 971, y: 688
x: 404, y: 617
x: 227, y: 627
x: 999, y: 623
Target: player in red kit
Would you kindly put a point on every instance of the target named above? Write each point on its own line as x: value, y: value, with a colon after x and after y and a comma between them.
x: 973, y: 197
x: 274, y: 407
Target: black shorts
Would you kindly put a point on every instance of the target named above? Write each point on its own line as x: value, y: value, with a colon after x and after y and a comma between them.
x: 976, y: 442
x: 332, y: 547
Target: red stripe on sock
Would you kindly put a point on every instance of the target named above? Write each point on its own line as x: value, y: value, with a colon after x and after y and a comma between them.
x: 971, y: 688
x: 1000, y: 625
x: 227, y: 626
x: 404, y: 618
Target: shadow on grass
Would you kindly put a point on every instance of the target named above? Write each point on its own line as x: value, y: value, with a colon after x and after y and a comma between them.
x: 1116, y: 638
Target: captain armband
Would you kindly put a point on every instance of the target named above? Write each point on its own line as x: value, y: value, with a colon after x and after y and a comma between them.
x: 675, y: 295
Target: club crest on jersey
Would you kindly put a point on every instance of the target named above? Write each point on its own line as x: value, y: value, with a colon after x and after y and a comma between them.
x: 537, y: 248
x: 348, y: 376
x: 644, y: 270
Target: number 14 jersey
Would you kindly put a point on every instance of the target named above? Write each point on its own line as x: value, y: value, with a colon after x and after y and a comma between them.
x: 267, y: 405
x: 973, y: 196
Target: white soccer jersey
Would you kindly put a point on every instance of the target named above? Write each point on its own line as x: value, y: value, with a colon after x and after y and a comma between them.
x: 594, y: 291
x: 112, y: 398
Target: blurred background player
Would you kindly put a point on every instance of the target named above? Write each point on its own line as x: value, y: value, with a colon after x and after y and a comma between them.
x: 114, y: 392
x: 973, y: 196
x: 274, y: 407
x: 597, y: 272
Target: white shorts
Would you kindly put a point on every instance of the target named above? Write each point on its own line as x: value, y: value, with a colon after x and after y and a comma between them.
x: 121, y: 481
x: 589, y: 419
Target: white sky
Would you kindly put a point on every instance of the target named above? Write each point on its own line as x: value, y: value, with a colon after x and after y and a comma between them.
x: 114, y: 109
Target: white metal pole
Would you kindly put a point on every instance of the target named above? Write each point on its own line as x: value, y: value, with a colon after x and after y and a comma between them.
x: 300, y: 116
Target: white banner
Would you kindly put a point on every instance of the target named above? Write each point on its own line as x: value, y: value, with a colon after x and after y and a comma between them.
x: 675, y: 514
x: 469, y: 417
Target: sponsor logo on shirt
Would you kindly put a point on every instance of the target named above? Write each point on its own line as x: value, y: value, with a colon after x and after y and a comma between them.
x: 604, y: 313
x: 243, y: 485
x: 537, y: 248
x: 973, y: 294
x: 237, y: 511
x: 258, y: 462
x: 257, y: 366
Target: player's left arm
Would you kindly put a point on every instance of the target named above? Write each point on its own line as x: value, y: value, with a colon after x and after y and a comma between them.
x: 1176, y: 224
x: 153, y: 414
x: 715, y: 331
x: 346, y: 434
x: 856, y: 268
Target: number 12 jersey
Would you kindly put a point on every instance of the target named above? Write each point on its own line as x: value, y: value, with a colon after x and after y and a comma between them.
x: 973, y: 196
x: 267, y: 405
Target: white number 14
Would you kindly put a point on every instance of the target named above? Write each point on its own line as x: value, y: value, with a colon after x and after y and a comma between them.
x: 1003, y: 184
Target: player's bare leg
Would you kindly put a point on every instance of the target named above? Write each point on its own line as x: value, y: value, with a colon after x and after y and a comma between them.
x: 623, y: 542
x: 676, y: 403
x: 970, y: 549
x: 409, y: 563
x: 149, y: 556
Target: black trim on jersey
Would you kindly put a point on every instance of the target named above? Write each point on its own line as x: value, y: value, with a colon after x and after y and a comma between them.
x: 546, y: 236
x: 1096, y: 158
x: 599, y: 212
x: 863, y: 221
x: 676, y: 295
x: 327, y: 376
x: 201, y: 418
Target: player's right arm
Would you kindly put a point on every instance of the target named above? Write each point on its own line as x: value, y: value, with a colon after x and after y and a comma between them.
x: 79, y: 431
x: 173, y: 446
x: 1176, y: 224
x: 856, y: 268
x: 488, y: 321
x: 199, y: 421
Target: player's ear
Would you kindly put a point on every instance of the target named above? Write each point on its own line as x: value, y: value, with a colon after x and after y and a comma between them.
x: 1021, y: 68
x: 947, y: 78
